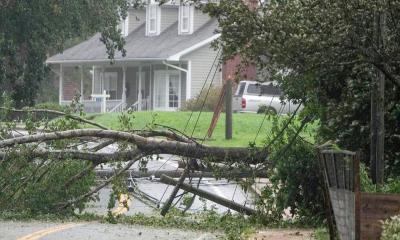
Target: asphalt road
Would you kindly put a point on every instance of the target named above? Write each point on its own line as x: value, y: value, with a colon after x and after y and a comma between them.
x: 35, y: 230
x: 160, y: 191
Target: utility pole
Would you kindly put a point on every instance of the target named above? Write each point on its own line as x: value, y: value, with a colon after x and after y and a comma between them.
x: 228, y: 109
x: 377, y: 156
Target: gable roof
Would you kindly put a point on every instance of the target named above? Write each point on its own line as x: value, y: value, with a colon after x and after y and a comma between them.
x: 141, y: 47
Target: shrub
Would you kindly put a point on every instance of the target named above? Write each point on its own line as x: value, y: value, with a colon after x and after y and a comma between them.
x: 51, y: 106
x: 209, y: 100
x: 294, y: 179
x: 392, y: 185
x: 391, y: 229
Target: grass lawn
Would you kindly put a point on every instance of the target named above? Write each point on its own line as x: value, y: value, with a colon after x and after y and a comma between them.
x: 245, y: 125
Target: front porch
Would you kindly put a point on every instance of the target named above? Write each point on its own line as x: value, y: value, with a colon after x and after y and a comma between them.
x: 140, y: 86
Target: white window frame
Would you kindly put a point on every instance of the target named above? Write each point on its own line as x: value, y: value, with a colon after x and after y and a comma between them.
x: 153, y: 14
x: 165, y: 78
x: 124, y: 25
x: 186, y: 14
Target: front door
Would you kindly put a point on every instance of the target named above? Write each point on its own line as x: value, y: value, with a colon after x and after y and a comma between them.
x: 167, y: 87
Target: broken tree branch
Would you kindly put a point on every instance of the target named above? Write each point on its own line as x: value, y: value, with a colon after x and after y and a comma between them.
x: 48, y: 111
x: 171, y: 198
x: 98, y: 188
x: 150, y: 145
x: 204, y: 194
x: 95, y: 158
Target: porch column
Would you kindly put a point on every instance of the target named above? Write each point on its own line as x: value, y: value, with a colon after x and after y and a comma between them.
x: 140, y: 89
x: 124, y: 85
x: 93, y: 77
x: 102, y: 79
x: 151, y: 106
x: 81, y: 98
x: 60, y: 89
x: 189, y: 80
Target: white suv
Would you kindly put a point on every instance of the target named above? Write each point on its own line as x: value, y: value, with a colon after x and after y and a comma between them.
x: 251, y: 95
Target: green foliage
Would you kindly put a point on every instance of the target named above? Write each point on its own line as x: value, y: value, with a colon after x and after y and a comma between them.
x: 323, y: 53
x: 208, y: 97
x: 51, y: 106
x: 321, y: 234
x: 294, y: 178
x: 31, y: 29
x: 392, y: 185
x: 38, y: 186
x: 391, y: 229
x: 32, y: 185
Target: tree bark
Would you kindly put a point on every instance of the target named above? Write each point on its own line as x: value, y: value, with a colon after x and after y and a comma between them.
x: 228, y: 110
x: 151, y: 145
x: 378, y: 110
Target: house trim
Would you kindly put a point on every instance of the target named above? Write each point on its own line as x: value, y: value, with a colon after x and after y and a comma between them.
x: 103, y: 60
x: 157, y: 19
x: 190, y: 12
x: 196, y: 46
x: 189, y: 80
x: 166, y: 73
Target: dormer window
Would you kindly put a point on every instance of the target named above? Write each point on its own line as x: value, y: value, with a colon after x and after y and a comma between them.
x: 153, y: 19
x: 124, y: 26
x: 185, y: 19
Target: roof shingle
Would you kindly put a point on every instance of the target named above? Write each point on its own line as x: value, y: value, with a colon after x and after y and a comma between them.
x: 138, y: 46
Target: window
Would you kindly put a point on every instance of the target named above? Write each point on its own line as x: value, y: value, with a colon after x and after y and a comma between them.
x: 241, y: 89
x: 254, y: 89
x: 153, y: 18
x: 173, y: 90
x: 185, y: 20
x: 270, y: 89
x: 263, y: 90
x: 124, y: 25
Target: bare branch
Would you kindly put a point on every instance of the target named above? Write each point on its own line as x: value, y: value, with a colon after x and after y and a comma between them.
x: 98, y: 188
x: 95, y: 158
x: 150, y: 145
x: 70, y: 116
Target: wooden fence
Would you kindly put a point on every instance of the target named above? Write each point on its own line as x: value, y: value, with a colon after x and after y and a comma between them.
x: 357, y: 215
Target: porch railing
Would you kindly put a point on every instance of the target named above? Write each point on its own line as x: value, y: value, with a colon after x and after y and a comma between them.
x: 119, y: 108
x: 93, y: 106
x: 144, y: 105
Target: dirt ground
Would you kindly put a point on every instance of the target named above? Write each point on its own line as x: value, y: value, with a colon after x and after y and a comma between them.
x: 283, y: 234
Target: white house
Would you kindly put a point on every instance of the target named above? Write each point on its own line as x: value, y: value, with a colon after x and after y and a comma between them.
x: 169, y: 56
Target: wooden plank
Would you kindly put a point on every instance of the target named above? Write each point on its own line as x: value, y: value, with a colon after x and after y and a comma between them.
x: 375, y: 208
x: 357, y: 195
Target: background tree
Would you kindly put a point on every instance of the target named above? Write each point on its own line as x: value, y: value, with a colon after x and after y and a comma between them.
x: 29, y: 30
x: 324, y: 54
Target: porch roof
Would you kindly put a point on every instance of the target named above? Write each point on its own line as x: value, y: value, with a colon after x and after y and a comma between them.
x: 166, y: 46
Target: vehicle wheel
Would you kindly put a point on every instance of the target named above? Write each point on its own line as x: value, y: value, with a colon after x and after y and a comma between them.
x: 266, y: 110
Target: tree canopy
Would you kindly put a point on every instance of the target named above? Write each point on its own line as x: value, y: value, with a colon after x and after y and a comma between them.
x: 29, y: 30
x: 323, y: 53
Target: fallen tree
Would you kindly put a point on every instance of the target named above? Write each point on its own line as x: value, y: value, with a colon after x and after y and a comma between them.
x: 48, y: 146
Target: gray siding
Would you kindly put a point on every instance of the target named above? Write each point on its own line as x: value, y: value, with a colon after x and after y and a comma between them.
x: 199, y: 19
x: 202, y: 61
x: 136, y: 18
x: 169, y: 16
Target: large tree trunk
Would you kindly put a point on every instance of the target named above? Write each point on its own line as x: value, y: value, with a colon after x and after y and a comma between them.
x: 151, y: 145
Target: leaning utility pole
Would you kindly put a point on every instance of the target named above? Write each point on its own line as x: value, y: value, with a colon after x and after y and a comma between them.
x: 378, y: 109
